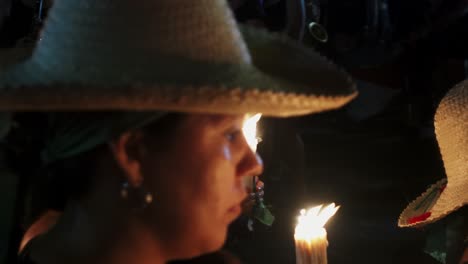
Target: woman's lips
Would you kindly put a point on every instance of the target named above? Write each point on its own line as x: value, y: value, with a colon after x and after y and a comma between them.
x: 236, y: 210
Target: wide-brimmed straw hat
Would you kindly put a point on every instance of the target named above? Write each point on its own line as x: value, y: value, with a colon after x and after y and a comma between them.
x: 174, y: 55
x: 450, y: 194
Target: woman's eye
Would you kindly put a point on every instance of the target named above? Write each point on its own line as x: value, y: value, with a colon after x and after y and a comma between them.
x: 233, y: 135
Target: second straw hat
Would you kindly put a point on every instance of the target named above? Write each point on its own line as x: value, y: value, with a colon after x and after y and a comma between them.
x: 451, y: 193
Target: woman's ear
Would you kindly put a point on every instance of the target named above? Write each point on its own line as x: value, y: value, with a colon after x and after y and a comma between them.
x: 127, y: 150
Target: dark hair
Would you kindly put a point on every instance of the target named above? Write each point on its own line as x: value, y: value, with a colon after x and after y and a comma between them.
x: 54, y: 185
x: 22, y: 148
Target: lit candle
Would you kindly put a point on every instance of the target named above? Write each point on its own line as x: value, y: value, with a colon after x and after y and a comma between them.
x: 310, y: 235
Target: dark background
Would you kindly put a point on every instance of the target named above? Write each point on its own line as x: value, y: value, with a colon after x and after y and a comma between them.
x: 373, y: 156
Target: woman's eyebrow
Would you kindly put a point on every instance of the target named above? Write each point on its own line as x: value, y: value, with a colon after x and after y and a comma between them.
x: 222, y: 120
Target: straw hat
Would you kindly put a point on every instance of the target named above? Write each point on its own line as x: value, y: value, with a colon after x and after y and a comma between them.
x: 175, y: 55
x: 450, y: 194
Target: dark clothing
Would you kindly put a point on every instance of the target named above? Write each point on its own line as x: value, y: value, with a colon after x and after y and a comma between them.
x: 25, y: 257
x: 220, y: 257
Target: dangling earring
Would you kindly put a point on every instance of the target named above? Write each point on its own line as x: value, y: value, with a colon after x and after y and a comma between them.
x: 138, y: 197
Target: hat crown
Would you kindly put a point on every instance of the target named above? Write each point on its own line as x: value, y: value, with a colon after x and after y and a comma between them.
x: 171, y: 55
x: 451, y: 128
x: 93, y: 33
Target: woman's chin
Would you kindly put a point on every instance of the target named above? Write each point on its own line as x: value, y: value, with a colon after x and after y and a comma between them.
x: 206, y: 246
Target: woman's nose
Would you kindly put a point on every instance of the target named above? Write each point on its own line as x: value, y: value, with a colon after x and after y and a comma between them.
x: 250, y: 165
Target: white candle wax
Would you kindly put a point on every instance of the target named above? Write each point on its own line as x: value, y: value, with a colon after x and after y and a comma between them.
x: 310, y: 236
x: 312, y: 250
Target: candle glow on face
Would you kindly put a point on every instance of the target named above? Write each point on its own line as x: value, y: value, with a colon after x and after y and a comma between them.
x: 250, y: 131
x: 311, y: 222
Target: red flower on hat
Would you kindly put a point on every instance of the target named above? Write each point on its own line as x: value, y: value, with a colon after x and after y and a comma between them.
x: 419, y: 218
x: 442, y: 188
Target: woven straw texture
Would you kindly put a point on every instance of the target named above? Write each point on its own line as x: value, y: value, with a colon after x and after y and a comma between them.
x: 451, y: 127
x: 173, y: 55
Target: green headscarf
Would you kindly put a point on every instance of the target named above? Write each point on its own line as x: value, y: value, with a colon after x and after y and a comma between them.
x: 73, y: 133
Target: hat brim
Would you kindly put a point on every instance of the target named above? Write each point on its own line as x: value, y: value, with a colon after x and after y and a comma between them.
x: 285, y: 79
x: 432, y: 205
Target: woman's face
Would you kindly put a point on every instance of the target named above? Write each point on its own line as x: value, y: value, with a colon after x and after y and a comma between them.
x: 197, y: 182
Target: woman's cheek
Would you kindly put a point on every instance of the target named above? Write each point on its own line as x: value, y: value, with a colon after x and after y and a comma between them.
x: 227, y: 154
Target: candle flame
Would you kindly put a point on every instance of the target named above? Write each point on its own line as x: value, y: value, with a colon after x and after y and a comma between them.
x: 311, y: 222
x: 250, y: 131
